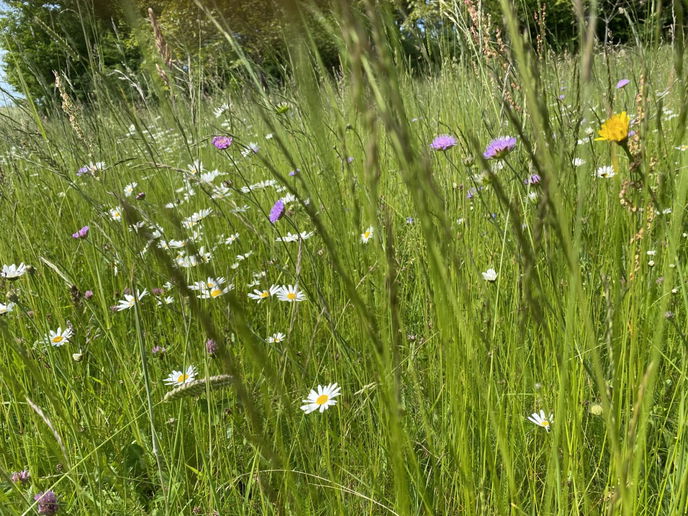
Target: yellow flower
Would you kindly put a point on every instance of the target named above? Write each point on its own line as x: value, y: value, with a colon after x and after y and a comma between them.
x: 615, y: 129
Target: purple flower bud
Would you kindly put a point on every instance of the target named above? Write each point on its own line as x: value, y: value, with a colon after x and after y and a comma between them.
x: 47, y: 503
x: 82, y: 233
x: 622, y: 83
x: 82, y: 171
x: 211, y: 347
x: 277, y: 211
x: 20, y: 477
x: 294, y: 172
x: 88, y: 294
x: 157, y: 291
x: 222, y: 142
x: 158, y: 351
x: 533, y: 179
x: 140, y: 196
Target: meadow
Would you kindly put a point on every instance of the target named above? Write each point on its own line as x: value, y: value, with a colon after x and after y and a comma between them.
x: 368, y: 293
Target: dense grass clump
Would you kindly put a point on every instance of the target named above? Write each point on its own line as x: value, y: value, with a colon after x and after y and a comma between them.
x: 495, y: 287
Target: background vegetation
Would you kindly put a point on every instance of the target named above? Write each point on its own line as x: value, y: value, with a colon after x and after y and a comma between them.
x: 439, y: 367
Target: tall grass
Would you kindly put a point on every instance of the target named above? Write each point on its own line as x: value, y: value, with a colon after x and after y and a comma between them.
x: 439, y: 368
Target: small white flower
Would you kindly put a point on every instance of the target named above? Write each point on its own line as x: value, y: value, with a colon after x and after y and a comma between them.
x: 12, y: 272
x: 260, y: 295
x: 605, y: 172
x: 322, y: 399
x: 276, y: 338
x: 367, y: 234
x: 129, y: 189
x: 290, y: 293
x: 116, y: 214
x: 220, y: 110
x: 578, y: 162
x: 541, y: 420
x: 490, y: 275
x: 59, y: 337
x: 180, y: 378
x: 130, y: 300
x: 194, y: 219
x: 6, y: 308
x: 168, y: 300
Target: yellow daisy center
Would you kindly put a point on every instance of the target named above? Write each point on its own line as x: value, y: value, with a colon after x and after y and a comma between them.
x: 366, y: 235
x: 322, y: 399
x: 215, y: 292
x: 264, y: 294
x: 545, y: 424
x: 182, y: 378
x: 57, y: 338
x: 291, y: 296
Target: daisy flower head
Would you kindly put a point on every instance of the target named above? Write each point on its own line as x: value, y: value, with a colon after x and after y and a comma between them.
x: 276, y: 338
x: 615, y: 129
x: 59, y: 337
x: 177, y: 378
x: 490, y: 275
x: 367, y: 234
x: 540, y: 419
x: 322, y: 399
x: 129, y: 189
x: 443, y: 142
x: 116, y: 214
x: 6, y: 308
x: 499, y: 147
x: 130, y: 300
x: 214, y: 292
x: 12, y: 272
x: 259, y: 295
x: 605, y: 172
x: 290, y: 294
x: 222, y: 142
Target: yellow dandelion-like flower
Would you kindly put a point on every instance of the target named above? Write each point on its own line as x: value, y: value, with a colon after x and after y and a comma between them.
x: 615, y: 129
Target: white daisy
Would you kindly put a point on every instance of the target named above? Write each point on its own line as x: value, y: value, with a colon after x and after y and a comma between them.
x: 578, y: 162
x: 541, y: 420
x: 367, y: 235
x: 129, y: 189
x: 116, y: 213
x: 276, y: 338
x: 194, y: 219
x: 260, y: 295
x: 209, y: 177
x: 168, y: 300
x: 322, y: 399
x: 59, y: 337
x: 130, y: 300
x: 214, y: 292
x: 290, y: 293
x: 605, y: 172
x: 180, y: 378
x: 195, y: 168
x: 490, y: 275
x: 12, y: 272
x: 220, y: 110
x: 6, y: 308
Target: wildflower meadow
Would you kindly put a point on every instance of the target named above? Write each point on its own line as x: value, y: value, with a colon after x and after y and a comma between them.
x: 449, y: 286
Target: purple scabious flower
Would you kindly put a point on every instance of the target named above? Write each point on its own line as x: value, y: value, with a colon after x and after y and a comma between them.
x: 500, y: 147
x: 211, y: 347
x: 622, y: 83
x: 20, y: 476
x: 158, y: 351
x: 82, y: 233
x: 88, y: 294
x: 277, y: 211
x: 47, y: 503
x: 443, y: 142
x: 533, y: 179
x: 82, y: 171
x: 222, y: 142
